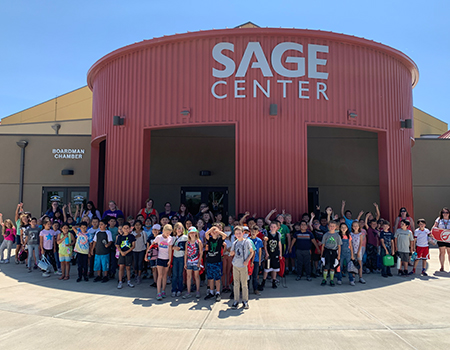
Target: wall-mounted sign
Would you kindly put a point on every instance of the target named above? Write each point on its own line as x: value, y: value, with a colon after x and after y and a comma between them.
x: 68, y: 153
x: 297, y: 68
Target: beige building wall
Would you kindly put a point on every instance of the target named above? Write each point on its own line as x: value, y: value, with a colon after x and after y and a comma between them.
x: 71, y: 127
x: 425, y: 124
x: 343, y: 164
x: 431, y: 181
x: 178, y: 155
x: 74, y: 105
x: 41, y: 169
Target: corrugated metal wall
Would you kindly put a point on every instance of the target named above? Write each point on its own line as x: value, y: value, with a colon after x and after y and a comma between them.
x: 151, y: 82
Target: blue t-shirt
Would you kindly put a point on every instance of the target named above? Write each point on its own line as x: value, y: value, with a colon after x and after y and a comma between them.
x: 258, y: 245
x: 349, y: 222
x: 303, y: 240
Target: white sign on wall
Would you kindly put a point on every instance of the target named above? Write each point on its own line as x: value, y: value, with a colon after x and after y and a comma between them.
x: 68, y: 153
x: 297, y: 83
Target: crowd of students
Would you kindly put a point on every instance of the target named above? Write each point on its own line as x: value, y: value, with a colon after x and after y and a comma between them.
x: 188, y: 250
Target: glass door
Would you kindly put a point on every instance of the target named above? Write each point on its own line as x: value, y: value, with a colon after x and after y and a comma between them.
x: 215, y: 197
x: 64, y: 195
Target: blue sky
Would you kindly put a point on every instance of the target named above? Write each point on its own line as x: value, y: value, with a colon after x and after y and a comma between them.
x: 48, y: 46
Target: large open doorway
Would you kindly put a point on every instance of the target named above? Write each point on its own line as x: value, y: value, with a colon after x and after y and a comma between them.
x: 200, y: 160
x: 343, y: 165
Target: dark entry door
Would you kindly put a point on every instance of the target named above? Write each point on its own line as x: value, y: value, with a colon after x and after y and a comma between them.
x: 215, y: 197
x: 313, y: 199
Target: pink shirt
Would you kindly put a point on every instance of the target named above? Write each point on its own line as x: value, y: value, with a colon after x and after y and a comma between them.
x: 163, y: 246
x: 10, y: 234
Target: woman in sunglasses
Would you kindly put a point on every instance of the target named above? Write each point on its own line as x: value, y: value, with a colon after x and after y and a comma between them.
x: 403, y: 215
x: 443, y: 221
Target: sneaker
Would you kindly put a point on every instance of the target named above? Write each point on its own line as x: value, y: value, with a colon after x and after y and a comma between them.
x: 6, y: 261
x: 2, y: 261
x: 197, y: 295
x: 169, y: 280
x: 105, y: 279
x: 153, y: 285
x: 17, y: 262
x: 257, y: 292
x: 209, y: 296
x: 309, y: 279
x: 178, y: 294
x: 97, y: 279
x: 35, y: 267
x: 46, y: 274
x: 361, y: 280
x: 78, y: 279
x: 400, y: 272
x: 424, y: 273
x: 367, y: 271
x: 324, y: 282
x: 159, y: 297
x: 245, y: 305
x: 187, y: 296
x: 29, y: 270
x: 274, y: 285
x: 174, y: 294
x: 298, y: 278
x: 383, y: 275
x: 218, y: 297
x: 441, y: 269
x: 411, y: 272
x: 389, y: 274
x: 119, y: 285
x: 131, y: 285
x: 332, y: 283
x: 405, y: 272
x: 352, y: 283
x: 86, y: 279
x: 59, y: 273
x: 339, y: 282
x: 235, y: 305
x: 138, y: 280
x: 163, y: 294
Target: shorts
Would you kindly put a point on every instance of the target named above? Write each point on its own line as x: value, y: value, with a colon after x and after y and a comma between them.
x: 101, y: 262
x: 64, y: 258
x: 152, y: 263
x: 214, y: 271
x: 404, y: 257
x: 423, y: 253
x: 162, y: 262
x: 18, y: 240
x: 192, y: 266
x: 272, y: 264
x: 126, y: 260
x: 443, y: 244
x: 330, y: 256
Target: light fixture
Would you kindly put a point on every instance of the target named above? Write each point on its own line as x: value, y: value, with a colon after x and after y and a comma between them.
x: 118, y: 120
x: 67, y: 172
x: 205, y: 173
x: 56, y: 127
x: 185, y: 112
x: 351, y: 114
x: 273, y: 110
x: 408, y: 123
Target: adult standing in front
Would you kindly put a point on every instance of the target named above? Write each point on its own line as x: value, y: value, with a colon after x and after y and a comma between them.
x: 148, y: 210
x: 91, y: 211
x: 443, y: 221
x: 403, y: 215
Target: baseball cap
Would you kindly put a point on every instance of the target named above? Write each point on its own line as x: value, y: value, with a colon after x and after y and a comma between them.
x: 156, y: 227
x: 192, y: 229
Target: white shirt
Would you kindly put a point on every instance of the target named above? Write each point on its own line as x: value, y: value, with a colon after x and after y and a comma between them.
x: 422, y: 237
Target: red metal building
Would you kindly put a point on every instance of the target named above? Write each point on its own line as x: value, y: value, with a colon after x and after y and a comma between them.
x: 236, y: 77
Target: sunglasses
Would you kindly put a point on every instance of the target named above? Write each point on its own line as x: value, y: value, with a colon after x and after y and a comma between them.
x: 445, y: 212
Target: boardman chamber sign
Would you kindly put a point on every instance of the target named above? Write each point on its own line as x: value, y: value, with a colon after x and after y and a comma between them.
x: 68, y: 153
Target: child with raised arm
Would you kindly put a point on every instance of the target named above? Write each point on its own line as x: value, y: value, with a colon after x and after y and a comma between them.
x: 215, y: 242
x: 331, y: 252
x: 242, y: 252
x: 9, y: 236
x: 31, y: 238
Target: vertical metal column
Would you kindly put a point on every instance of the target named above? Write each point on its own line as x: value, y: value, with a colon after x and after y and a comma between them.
x: 22, y: 144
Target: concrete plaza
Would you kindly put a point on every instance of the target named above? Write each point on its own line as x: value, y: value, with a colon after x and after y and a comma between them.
x: 397, y: 312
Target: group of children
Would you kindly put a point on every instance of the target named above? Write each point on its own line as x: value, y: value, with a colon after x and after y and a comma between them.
x: 183, y: 249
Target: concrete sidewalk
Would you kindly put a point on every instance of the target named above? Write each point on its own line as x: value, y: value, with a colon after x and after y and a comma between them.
x: 397, y: 312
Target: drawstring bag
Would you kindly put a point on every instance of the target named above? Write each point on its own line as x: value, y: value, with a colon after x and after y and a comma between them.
x: 388, y: 260
x: 351, y: 267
